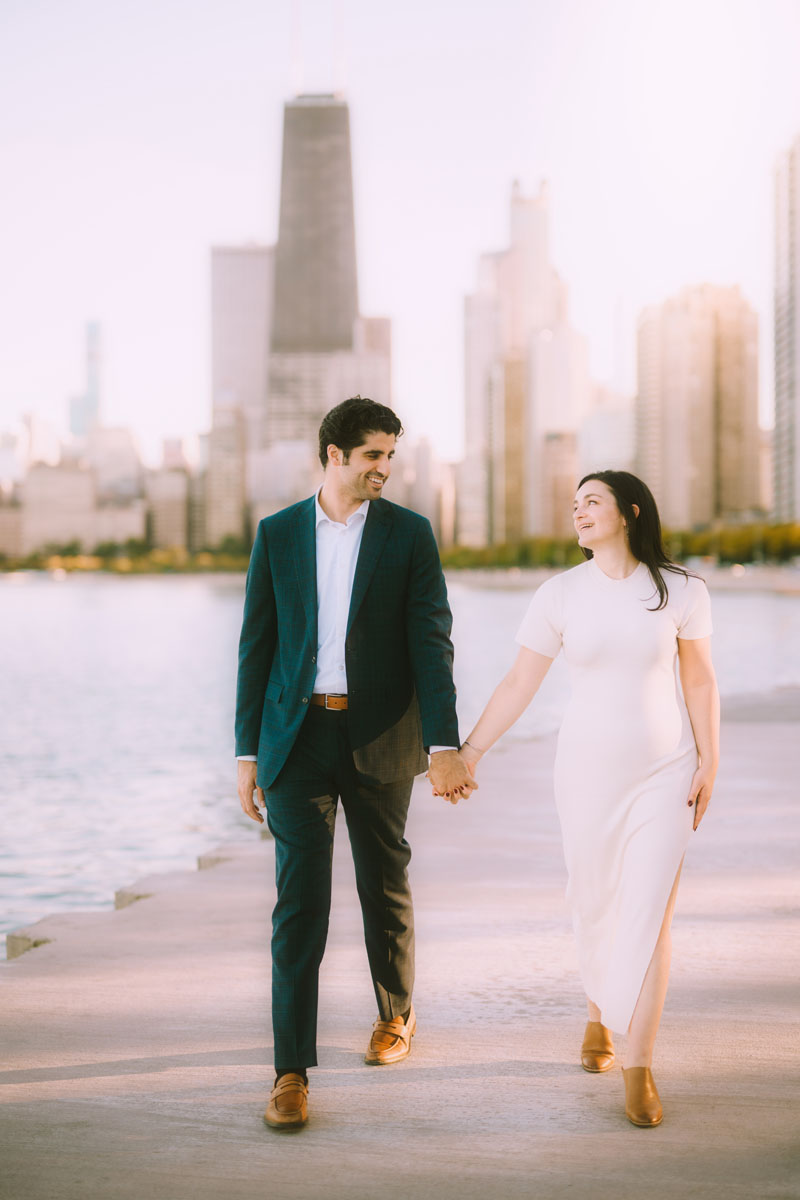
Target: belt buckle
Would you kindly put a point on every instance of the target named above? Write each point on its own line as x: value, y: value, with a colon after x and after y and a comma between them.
x: 327, y: 706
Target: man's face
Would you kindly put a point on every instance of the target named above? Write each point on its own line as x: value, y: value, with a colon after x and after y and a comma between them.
x: 369, y: 466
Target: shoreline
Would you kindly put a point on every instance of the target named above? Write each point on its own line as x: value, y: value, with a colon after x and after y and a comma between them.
x: 781, y: 578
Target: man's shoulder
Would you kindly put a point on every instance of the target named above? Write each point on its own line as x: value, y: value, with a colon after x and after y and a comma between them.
x: 285, y: 518
x: 404, y: 518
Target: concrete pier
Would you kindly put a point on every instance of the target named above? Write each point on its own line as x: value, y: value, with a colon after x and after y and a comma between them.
x: 136, y: 1043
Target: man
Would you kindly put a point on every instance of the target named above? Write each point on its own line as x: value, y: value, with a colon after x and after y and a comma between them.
x: 345, y: 676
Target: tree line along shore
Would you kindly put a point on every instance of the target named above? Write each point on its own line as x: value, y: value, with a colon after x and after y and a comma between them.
x: 757, y: 543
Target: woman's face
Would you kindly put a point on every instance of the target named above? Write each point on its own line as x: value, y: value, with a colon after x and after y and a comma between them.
x: 596, y: 517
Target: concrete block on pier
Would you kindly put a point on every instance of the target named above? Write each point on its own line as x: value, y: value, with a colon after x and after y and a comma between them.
x: 20, y: 940
x: 129, y: 895
x: 78, y: 928
x: 213, y: 859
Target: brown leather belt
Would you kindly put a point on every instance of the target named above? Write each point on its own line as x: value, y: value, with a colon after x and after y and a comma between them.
x: 329, y: 700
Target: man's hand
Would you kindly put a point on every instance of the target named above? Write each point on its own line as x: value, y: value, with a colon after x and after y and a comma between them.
x: 246, y: 786
x: 450, y: 776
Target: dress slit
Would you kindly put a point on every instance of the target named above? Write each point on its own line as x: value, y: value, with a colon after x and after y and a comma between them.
x: 627, y: 970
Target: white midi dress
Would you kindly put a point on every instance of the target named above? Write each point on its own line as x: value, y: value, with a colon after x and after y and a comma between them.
x: 624, y: 764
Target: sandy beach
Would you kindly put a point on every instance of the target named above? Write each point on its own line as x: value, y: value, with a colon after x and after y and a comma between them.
x: 136, y: 1043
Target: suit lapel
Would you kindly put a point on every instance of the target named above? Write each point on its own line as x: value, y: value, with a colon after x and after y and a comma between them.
x: 376, y: 530
x: 305, y: 559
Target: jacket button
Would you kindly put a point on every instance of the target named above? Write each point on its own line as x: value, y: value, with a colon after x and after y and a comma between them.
x: 305, y: 699
x: 313, y: 658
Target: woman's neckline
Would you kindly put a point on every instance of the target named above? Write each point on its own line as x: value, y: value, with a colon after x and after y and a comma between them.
x: 608, y: 578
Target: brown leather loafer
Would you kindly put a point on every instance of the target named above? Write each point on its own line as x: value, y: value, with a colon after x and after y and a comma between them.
x: 642, y: 1103
x: 288, y: 1103
x: 597, y: 1051
x: 391, y: 1040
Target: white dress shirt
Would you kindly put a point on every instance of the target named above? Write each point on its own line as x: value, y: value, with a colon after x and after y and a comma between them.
x: 337, y: 553
x: 337, y: 547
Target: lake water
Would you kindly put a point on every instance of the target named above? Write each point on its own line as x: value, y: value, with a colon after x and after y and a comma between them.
x: 116, y: 712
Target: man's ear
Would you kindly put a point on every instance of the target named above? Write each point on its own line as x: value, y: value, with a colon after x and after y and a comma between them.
x: 334, y: 455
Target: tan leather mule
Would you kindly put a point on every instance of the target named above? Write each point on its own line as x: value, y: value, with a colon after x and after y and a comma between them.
x: 642, y: 1102
x: 597, y: 1051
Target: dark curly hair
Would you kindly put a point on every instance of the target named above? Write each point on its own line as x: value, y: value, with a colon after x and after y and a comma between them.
x: 350, y: 423
x: 644, y: 532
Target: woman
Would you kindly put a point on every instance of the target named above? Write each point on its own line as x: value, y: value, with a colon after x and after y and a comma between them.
x: 635, y: 764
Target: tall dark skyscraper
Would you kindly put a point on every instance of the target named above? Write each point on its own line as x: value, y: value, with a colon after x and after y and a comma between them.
x: 321, y: 349
x: 316, y: 288
x: 288, y: 339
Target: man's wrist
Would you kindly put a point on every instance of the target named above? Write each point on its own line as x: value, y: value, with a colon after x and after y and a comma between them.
x: 246, y: 758
x: 441, y: 750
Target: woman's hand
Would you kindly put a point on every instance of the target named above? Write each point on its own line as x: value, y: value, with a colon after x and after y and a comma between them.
x: 700, y: 792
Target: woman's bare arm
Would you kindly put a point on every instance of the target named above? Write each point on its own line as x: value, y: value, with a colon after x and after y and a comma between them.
x: 699, y: 684
x: 508, y: 702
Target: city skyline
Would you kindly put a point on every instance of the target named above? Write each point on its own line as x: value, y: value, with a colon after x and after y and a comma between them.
x: 114, y: 205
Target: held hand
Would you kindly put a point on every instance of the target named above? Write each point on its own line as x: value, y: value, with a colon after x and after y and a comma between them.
x: 700, y: 792
x: 450, y: 776
x: 247, y: 787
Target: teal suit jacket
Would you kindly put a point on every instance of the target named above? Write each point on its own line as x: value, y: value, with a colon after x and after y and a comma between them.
x: 398, y: 653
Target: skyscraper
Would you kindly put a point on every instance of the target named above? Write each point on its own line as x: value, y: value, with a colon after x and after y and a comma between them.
x: 84, y: 410
x: 242, y: 286
x: 316, y: 292
x: 322, y: 350
x: 697, y: 437
x: 526, y: 379
x: 242, y: 279
x: 787, y: 336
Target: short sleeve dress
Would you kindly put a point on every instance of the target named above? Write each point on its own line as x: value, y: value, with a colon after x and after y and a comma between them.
x: 624, y: 764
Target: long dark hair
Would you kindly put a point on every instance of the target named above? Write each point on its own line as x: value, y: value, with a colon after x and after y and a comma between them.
x: 644, y: 532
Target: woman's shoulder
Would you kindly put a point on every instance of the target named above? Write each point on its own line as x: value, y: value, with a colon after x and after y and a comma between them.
x: 684, y: 584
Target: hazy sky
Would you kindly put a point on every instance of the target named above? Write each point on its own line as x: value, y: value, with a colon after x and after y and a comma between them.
x: 136, y: 134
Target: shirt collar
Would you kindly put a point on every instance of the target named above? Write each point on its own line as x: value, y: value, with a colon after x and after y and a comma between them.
x: 322, y: 516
